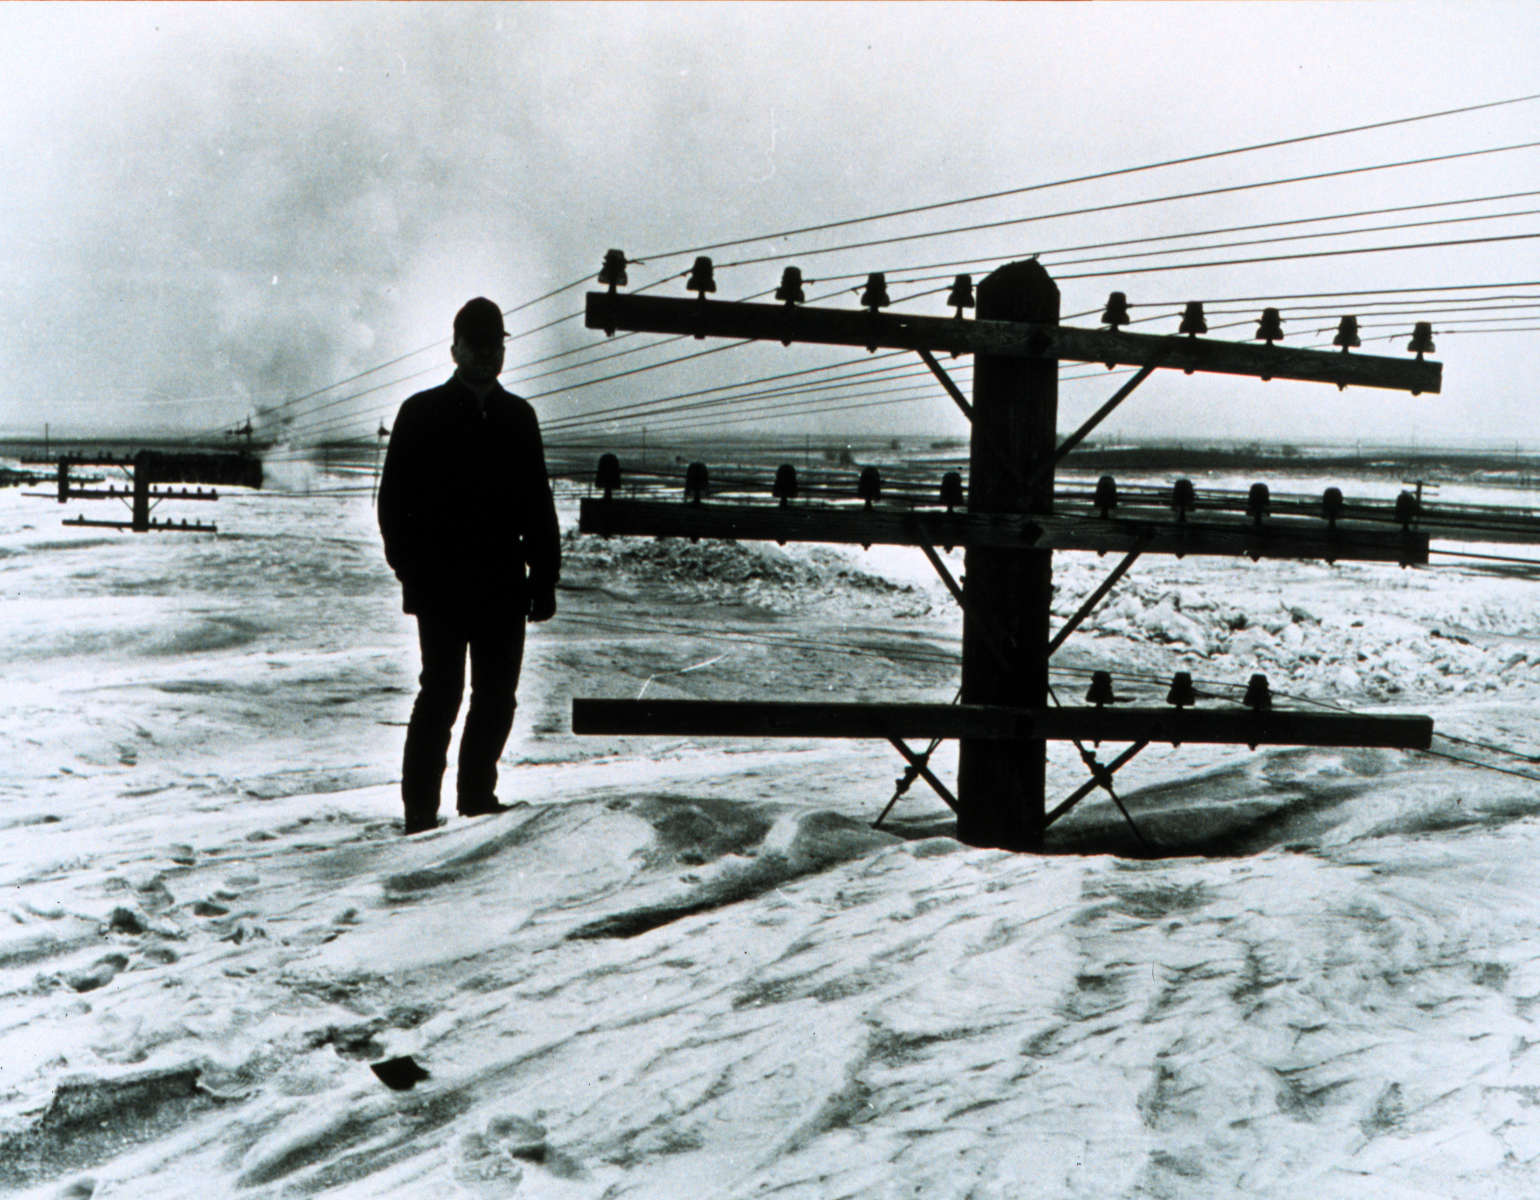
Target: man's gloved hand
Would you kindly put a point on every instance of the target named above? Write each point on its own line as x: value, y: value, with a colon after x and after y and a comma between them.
x: 542, y: 602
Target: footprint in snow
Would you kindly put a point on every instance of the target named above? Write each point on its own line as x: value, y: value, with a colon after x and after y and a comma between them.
x: 99, y: 974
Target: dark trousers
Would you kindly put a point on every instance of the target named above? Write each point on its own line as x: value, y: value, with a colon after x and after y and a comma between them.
x: 496, y: 651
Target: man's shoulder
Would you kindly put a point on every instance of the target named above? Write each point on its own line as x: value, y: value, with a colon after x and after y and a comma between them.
x: 512, y: 402
x: 430, y: 407
x: 430, y: 396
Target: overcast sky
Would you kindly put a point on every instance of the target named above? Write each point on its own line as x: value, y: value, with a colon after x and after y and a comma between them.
x: 212, y: 208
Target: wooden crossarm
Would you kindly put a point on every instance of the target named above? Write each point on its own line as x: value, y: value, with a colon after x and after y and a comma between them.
x: 1282, y: 537
x: 1019, y: 339
x: 768, y: 718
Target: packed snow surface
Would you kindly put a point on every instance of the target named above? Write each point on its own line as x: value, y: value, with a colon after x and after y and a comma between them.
x: 695, y: 969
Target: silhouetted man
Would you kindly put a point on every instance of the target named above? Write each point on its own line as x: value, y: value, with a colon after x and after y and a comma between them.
x: 470, y: 529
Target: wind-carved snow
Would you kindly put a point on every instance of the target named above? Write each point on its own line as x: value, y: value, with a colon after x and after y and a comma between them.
x: 695, y: 969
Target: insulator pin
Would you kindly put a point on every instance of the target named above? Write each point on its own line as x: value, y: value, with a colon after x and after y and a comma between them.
x: 961, y: 296
x: 1332, y: 505
x: 697, y: 481
x: 1258, y: 695
x: 1182, y: 693
x: 1347, y: 334
x: 876, y: 294
x: 869, y: 486
x: 1183, y: 497
x: 1100, y: 691
x: 1116, y: 312
x: 613, y: 271
x: 785, y: 488
x: 952, y: 490
x: 607, y: 477
x: 701, y: 278
x: 1422, y: 339
x: 1258, y: 500
x: 790, y: 291
x: 1106, y: 495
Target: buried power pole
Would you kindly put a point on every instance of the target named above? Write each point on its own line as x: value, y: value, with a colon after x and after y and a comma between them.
x: 1007, y: 712
x: 1001, y: 784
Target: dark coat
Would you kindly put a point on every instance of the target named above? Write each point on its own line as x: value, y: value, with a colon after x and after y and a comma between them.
x: 465, y: 504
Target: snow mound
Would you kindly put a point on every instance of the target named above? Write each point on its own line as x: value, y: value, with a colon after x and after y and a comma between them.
x: 757, y: 574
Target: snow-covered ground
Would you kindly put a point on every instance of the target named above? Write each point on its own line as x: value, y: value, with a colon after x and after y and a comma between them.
x: 695, y: 969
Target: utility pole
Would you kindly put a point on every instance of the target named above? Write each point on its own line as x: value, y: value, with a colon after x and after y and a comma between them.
x: 1007, y: 711
x: 1015, y: 407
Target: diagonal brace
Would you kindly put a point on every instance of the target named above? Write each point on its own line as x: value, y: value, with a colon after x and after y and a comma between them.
x: 952, y: 389
x: 1095, y: 598
x: 961, y: 401
x: 1000, y: 645
x: 1091, y: 785
x: 920, y: 764
x: 1103, y: 779
x: 1051, y: 461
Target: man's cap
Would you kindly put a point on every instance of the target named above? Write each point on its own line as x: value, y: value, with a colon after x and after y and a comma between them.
x: 480, y: 321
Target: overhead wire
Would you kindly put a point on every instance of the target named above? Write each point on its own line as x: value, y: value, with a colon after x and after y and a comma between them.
x: 1111, y: 174
x: 1126, y: 204
x: 1011, y: 192
x: 353, y: 419
x: 952, y: 264
x: 342, y: 400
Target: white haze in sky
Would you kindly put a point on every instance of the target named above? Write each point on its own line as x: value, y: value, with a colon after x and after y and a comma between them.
x: 209, y: 209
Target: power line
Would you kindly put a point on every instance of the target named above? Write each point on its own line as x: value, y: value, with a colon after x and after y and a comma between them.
x: 1098, y: 208
x: 749, y: 383
x: 1290, y: 237
x: 289, y: 405
x: 904, y: 212
x: 1372, y: 212
x: 1447, y: 287
x: 1233, y: 262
